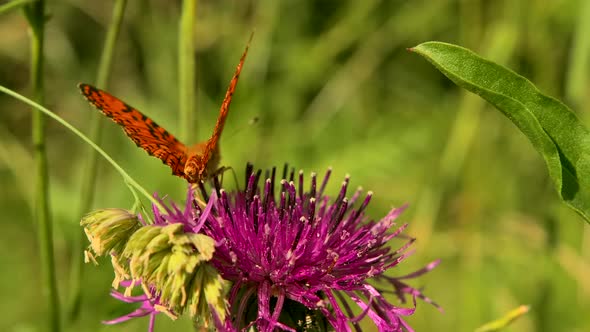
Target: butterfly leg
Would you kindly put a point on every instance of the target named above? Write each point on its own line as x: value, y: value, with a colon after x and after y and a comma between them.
x: 218, y: 174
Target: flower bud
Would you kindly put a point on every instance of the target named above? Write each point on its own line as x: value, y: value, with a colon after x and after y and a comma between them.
x: 108, y: 230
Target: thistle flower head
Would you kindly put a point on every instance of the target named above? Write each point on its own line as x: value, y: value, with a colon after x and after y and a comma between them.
x: 297, y: 259
x: 302, y: 247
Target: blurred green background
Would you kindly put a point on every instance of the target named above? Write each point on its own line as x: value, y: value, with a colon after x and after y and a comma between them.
x: 332, y: 84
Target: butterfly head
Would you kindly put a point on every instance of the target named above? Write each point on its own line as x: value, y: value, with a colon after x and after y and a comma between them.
x: 195, y: 169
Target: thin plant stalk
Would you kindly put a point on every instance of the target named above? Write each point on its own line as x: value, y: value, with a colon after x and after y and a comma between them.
x: 12, y: 5
x: 186, y: 69
x: 35, y: 14
x: 90, y: 171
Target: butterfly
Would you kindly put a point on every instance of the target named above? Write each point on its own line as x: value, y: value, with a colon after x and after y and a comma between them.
x: 194, y: 163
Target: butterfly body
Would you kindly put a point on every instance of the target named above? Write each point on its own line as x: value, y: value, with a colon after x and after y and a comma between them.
x: 195, y: 163
x: 197, y: 166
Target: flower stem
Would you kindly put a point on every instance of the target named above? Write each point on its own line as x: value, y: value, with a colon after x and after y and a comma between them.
x: 35, y: 14
x: 186, y: 69
x: 89, y: 174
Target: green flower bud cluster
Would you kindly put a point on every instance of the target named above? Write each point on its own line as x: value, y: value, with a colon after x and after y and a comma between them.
x: 170, y: 260
x: 167, y: 261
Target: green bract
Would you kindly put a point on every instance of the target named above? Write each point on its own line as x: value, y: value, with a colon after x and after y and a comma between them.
x: 553, y: 129
x: 109, y: 229
x: 172, y: 261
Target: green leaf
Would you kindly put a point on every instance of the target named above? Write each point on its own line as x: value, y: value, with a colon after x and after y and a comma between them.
x: 553, y: 129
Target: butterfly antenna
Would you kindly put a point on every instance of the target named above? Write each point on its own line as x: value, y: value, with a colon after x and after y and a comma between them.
x: 251, y: 123
x: 219, y: 173
x: 211, y: 144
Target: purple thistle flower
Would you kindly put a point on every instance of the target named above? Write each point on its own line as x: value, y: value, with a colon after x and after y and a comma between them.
x: 302, y: 247
x: 298, y: 260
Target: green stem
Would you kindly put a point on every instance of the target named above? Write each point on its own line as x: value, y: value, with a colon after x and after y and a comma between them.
x: 90, y: 171
x: 104, y: 68
x: 35, y: 14
x: 577, y: 84
x: 186, y: 69
x: 14, y: 5
x: 78, y: 133
x: 576, y: 80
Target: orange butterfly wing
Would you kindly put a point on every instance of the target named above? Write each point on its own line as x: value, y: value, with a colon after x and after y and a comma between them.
x: 211, y: 145
x: 146, y: 133
x: 204, y: 157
